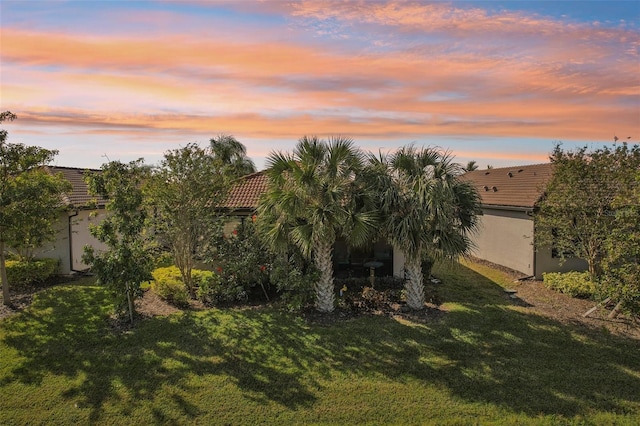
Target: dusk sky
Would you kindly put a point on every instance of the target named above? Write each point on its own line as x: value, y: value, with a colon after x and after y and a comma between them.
x: 498, y: 82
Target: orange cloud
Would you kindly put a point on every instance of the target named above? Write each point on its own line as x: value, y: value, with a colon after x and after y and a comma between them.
x: 486, y: 75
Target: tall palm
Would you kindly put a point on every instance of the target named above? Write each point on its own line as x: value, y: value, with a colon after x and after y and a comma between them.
x: 232, y: 154
x: 471, y: 166
x: 428, y: 211
x: 314, y: 196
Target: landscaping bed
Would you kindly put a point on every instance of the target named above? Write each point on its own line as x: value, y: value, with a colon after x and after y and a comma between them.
x: 531, y: 296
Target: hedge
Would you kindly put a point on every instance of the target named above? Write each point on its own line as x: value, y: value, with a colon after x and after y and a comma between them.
x: 575, y: 284
x: 167, y: 283
x: 22, y: 273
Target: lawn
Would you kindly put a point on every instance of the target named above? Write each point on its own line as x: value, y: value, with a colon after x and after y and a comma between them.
x: 484, y: 361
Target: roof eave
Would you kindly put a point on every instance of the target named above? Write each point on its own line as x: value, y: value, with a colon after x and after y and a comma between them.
x: 509, y: 208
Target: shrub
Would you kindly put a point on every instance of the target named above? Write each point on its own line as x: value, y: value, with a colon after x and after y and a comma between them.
x: 622, y: 284
x: 575, y: 284
x: 243, y: 263
x: 294, y: 283
x: 23, y: 273
x: 210, y: 289
x: 163, y: 260
x: 167, y: 283
x: 213, y: 290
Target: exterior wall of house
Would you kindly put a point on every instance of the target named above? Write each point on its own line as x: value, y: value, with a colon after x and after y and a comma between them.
x: 545, y: 262
x: 76, y: 225
x: 81, y: 236
x: 231, y: 225
x: 58, y: 248
x: 398, y: 262
x: 505, y: 238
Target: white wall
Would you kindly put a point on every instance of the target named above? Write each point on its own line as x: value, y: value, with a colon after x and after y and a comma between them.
x: 506, y: 238
x: 70, y: 255
x: 58, y: 248
x: 81, y: 236
x: 546, y: 263
x: 398, y: 262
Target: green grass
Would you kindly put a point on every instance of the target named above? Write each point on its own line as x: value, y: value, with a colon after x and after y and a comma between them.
x: 483, y: 362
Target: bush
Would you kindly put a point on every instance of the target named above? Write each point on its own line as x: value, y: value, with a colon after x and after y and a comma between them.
x: 163, y: 260
x: 167, y: 283
x: 23, y: 273
x: 213, y: 290
x: 622, y: 284
x: 575, y: 284
x: 243, y: 263
x: 294, y: 283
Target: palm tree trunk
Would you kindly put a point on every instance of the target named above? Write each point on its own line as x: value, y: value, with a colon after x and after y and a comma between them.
x: 325, y: 296
x: 414, y: 286
x: 6, y: 299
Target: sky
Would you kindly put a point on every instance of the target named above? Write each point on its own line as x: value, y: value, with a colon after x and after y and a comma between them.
x: 497, y: 82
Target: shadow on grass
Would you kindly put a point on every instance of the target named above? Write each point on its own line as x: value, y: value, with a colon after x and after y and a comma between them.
x: 482, y: 351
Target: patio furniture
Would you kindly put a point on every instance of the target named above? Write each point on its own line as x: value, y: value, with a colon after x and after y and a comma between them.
x: 372, y: 265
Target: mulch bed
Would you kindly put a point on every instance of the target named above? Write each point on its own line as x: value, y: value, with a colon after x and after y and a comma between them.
x: 535, y: 297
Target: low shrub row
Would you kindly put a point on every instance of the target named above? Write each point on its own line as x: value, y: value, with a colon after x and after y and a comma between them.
x: 24, y: 273
x: 575, y: 284
x: 168, y: 284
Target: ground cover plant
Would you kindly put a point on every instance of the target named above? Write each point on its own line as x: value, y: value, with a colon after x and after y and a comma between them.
x: 485, y: 360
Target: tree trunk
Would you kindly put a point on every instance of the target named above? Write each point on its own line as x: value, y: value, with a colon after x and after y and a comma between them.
x: 6, y: 299
x: 414, y: 286
x: 182, y: 259
x: 130, y: 302
x: 325, y: 297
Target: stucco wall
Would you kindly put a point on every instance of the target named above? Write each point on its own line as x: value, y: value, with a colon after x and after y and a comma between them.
x: 81, y: 236
x: 70, y: 255
x: 506, y: 238
x: 546, y: 263
x: 398, y: 263
x: 58, y: 248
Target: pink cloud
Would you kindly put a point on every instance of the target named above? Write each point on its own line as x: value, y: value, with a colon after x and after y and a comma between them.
x: 486, y: 74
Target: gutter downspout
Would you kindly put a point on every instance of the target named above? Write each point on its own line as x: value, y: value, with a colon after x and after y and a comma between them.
x: 71, y: 242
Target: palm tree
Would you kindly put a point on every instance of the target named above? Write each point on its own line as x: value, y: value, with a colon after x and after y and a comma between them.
x: 232, y: 154
x: 471, y: 166
x: 314, y: 196
x: 428, y: 211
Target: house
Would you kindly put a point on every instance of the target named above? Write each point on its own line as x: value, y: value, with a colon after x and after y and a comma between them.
x: 243, y: 200
x: 509, y: 197
x: 72, y: 228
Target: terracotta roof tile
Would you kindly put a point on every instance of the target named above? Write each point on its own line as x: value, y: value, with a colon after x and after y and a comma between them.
x: 79, y: 196
x: 247, y: 191
x: 518, y: 186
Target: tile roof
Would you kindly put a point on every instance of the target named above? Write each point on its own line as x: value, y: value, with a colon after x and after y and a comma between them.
x: 518, y: 186
x: 79, y: 196
x: 247, y: 191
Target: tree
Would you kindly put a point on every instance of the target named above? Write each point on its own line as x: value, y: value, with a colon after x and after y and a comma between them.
x: 30, y: 198
x: 232, y: 154
x: 427, y: 210
x: 184, y: 191
x: 127, y: 262
x: 315, y: 195
x: 471, y: 166
x: 621, y: 263
x: 38, y: 209
x: 577, y: 214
